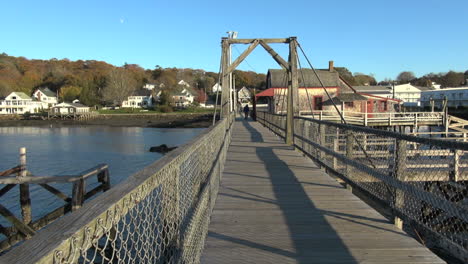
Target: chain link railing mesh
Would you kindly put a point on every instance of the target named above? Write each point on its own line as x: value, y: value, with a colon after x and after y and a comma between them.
x: 424, y: 181
x: 163, y: 220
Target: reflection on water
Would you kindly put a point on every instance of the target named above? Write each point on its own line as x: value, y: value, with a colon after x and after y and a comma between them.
x: 70, y: 150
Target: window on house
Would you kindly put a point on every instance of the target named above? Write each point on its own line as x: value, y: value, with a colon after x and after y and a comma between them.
x: 14, y: 97
x: 349, y: 104
x: 384, y: 105
x: 318, y: 102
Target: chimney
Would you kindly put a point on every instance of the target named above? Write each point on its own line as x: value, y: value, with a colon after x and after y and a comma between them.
x: 330, y: 66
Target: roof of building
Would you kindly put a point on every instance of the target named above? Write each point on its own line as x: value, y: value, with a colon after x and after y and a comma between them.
x: 277, y: 78
x: 345, y: 97
x: 47, y: 92
x: 425, y: 88
x: 69, y: 104
x: 22, y: 95
x: 447, y: 89
x: 141, y: 92
x: 369, y: 88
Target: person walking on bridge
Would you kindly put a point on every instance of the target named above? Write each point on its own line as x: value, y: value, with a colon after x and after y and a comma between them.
x: 246, y: 111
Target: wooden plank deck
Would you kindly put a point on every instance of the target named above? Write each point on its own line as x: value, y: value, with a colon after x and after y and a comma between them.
x: 276, y: 206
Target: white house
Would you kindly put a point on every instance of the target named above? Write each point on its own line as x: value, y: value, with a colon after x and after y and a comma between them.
x: 184, y: 83
x: 142, y: 98
x: 69, y: 108
x: 149, y: 86
x: 183, y: 97
x: 216, y: 88
x: 20, y: 103
x: 47, y: 96
x: 456, y: 97
x: 244, y: 95
x: 409, y: 94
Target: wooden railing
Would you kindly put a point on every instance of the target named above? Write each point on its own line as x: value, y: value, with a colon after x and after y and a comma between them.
x: 378, y: 119
x: 158, y: 215
x: 26, y: 227
x: 420, y: 180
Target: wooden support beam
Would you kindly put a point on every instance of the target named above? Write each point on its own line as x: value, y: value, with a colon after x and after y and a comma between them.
x: 25, y: 200
x: 78, y: 194
x: 293, y: 90
x: 6, y: 189
x: 23, y: 228
x: 400, y: 174
x: 244, y: 54
x: 14, y: 170
x: 266, y: 40
x: 39, y: 179
x: 275, y: 55
x: 225, y: 85
x: 56, y: 192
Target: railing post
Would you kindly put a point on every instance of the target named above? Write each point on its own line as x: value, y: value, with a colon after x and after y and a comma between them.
x: 307, y: 136
x: 336, y: 149
x: 25, y: 200
x: 103, y: 178
x: 455, y: 172
x: 399, y: 174
x: 349, y: 155
x: 322, y: 141
x: 78, y: 194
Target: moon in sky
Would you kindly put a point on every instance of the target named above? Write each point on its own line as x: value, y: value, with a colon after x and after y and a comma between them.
x: 122, y: 21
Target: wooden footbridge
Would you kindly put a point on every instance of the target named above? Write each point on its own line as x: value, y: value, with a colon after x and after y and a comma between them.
x: 284, y: 189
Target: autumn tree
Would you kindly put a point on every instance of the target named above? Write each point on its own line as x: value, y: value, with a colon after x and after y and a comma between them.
x: 405, y: 77
x: 364, y: 79
x: 70, y: 93
x: 119, y: 86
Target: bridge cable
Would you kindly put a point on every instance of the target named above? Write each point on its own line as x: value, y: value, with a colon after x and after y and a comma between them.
x: 305, y: 87
x: 336, y: 107
x: 283, y: 93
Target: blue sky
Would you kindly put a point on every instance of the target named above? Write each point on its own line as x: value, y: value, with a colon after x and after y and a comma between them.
x: 378, y: 37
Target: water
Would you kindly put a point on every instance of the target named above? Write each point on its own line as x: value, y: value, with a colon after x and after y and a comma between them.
x: 70, y: 150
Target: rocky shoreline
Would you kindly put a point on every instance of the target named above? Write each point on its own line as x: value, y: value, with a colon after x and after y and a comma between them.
x: 185, y: 120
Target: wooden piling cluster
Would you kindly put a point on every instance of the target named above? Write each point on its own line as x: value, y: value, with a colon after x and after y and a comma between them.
x: 26, y: 227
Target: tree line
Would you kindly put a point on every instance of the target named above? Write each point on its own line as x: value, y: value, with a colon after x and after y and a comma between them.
x: 99, y: 83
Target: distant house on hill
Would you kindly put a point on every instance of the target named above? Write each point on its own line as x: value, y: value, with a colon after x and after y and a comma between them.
x: 20, y: 103
x: 47, y: 96
x: 69, y: 108
x: 182, y: 97
x: 149, y: 86
x: 244, y: 95
x: 142, y: 98
x: 184, y: 83
x: 216, y: 88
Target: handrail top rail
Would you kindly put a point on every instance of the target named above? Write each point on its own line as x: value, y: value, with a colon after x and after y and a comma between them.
x: 55, y: 178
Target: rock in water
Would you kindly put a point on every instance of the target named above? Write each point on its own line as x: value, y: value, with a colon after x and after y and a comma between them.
x: 161, y: 148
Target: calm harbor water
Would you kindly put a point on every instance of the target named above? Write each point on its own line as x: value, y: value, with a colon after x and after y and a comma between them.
x: 70, y: 150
